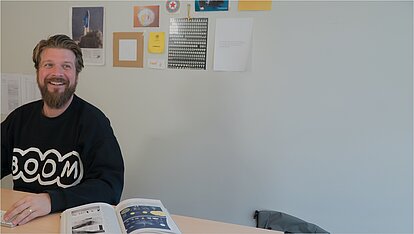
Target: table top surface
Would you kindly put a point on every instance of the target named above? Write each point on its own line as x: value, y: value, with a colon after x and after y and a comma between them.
x: 51, y: 223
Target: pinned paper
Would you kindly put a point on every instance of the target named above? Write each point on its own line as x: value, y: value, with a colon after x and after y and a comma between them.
x: 187, y: 44
x: 232, y: 44
x: 156, y: 63
x: 127, y: 50
x: 156, y: 42
x: 255, y: 5
x: 146, y: 16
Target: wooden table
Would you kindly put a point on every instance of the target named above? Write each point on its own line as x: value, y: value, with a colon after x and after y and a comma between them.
x: 187, y: 225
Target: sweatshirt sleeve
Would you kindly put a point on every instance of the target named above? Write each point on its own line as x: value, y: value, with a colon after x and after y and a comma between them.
x: 5, y: 150
x: 103, y: 179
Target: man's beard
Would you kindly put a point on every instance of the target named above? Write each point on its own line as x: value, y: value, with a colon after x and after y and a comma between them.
x: 56, y: 100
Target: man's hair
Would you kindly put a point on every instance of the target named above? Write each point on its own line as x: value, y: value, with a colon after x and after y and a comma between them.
x: 62, y: 42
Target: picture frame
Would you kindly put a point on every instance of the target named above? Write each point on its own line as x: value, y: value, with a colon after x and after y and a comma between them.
x: 128, y: 49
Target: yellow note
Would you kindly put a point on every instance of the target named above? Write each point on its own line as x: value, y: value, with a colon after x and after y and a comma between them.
x: 156, y: 42
x: 255, y: 5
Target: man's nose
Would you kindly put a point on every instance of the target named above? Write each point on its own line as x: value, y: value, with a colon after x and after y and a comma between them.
x: 57, y: 71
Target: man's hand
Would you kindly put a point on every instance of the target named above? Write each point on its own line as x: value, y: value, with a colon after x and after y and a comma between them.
x: 28, y: 208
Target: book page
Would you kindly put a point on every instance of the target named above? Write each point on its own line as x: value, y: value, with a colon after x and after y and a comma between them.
x: 145, y: 215
x: 90, y: 218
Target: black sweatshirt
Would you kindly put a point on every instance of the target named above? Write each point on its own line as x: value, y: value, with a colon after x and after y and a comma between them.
x: 74, y: 157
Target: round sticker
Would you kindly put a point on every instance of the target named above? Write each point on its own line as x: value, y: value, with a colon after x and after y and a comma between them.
x: 173, y: 6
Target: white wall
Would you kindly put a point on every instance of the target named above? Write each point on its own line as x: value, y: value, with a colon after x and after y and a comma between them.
x: 319, y: 127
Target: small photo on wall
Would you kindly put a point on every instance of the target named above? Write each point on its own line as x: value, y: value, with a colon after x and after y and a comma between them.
x: 146, y: 16
x: 87, y: 26
x: 206, y: 5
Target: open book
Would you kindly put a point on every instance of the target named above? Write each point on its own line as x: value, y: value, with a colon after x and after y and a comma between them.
x: 129, y: 216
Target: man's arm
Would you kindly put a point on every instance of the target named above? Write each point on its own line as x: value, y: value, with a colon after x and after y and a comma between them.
x: 28, y: 208
x: 103, y: 179
x: 5, y: 150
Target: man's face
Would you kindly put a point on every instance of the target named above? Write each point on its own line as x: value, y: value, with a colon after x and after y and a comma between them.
x: 56, y: 76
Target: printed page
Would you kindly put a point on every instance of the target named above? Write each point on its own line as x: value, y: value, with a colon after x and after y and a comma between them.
x: 145, y: 216
x: 90, y: 218
x: 10, y: 92
x: 16, y: 90
x: 232, y: 44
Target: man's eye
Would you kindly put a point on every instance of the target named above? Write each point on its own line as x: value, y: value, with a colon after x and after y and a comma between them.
x: 48, y: 65
x: 66, y: 66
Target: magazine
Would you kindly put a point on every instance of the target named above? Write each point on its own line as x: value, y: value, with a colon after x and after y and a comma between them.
x: 135, y: 215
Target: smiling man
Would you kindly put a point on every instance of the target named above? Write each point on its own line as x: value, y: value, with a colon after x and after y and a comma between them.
x: 61, y: 148
x: 57, y: 79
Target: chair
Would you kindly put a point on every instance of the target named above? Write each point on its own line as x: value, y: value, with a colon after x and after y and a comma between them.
x: 279, y: 221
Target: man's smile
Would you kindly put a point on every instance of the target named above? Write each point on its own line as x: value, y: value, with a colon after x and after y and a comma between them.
x: 57, y: 81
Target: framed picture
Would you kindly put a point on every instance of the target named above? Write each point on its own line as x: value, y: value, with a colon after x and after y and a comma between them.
x: 211, y: 5
x: 128, y: 49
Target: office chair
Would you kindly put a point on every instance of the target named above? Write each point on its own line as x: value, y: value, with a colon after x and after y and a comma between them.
x: 279, y: 221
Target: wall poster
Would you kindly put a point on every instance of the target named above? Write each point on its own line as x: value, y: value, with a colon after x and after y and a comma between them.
x: 87, y: 26
x: 211, y: 5
x: 188, y: 43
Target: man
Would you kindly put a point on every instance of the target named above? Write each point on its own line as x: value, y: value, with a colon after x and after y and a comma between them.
x: 60, y: 148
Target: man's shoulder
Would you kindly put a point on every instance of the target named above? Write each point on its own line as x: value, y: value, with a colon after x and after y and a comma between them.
x: 27, y: 108
x: 88, y: 109
x: 92, y: 117
x: 82, y: 103
x: 23, y: 112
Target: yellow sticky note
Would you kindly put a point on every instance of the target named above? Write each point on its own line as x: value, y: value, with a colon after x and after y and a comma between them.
x: 156, y: 42
x: 255, y: 5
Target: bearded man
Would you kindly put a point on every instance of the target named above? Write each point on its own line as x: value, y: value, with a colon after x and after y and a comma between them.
x: 61, y: 149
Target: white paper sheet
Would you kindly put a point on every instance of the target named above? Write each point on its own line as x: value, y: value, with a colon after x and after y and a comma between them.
x: 232, y: 44
x: 16, y: 90
x: 127, y: 50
